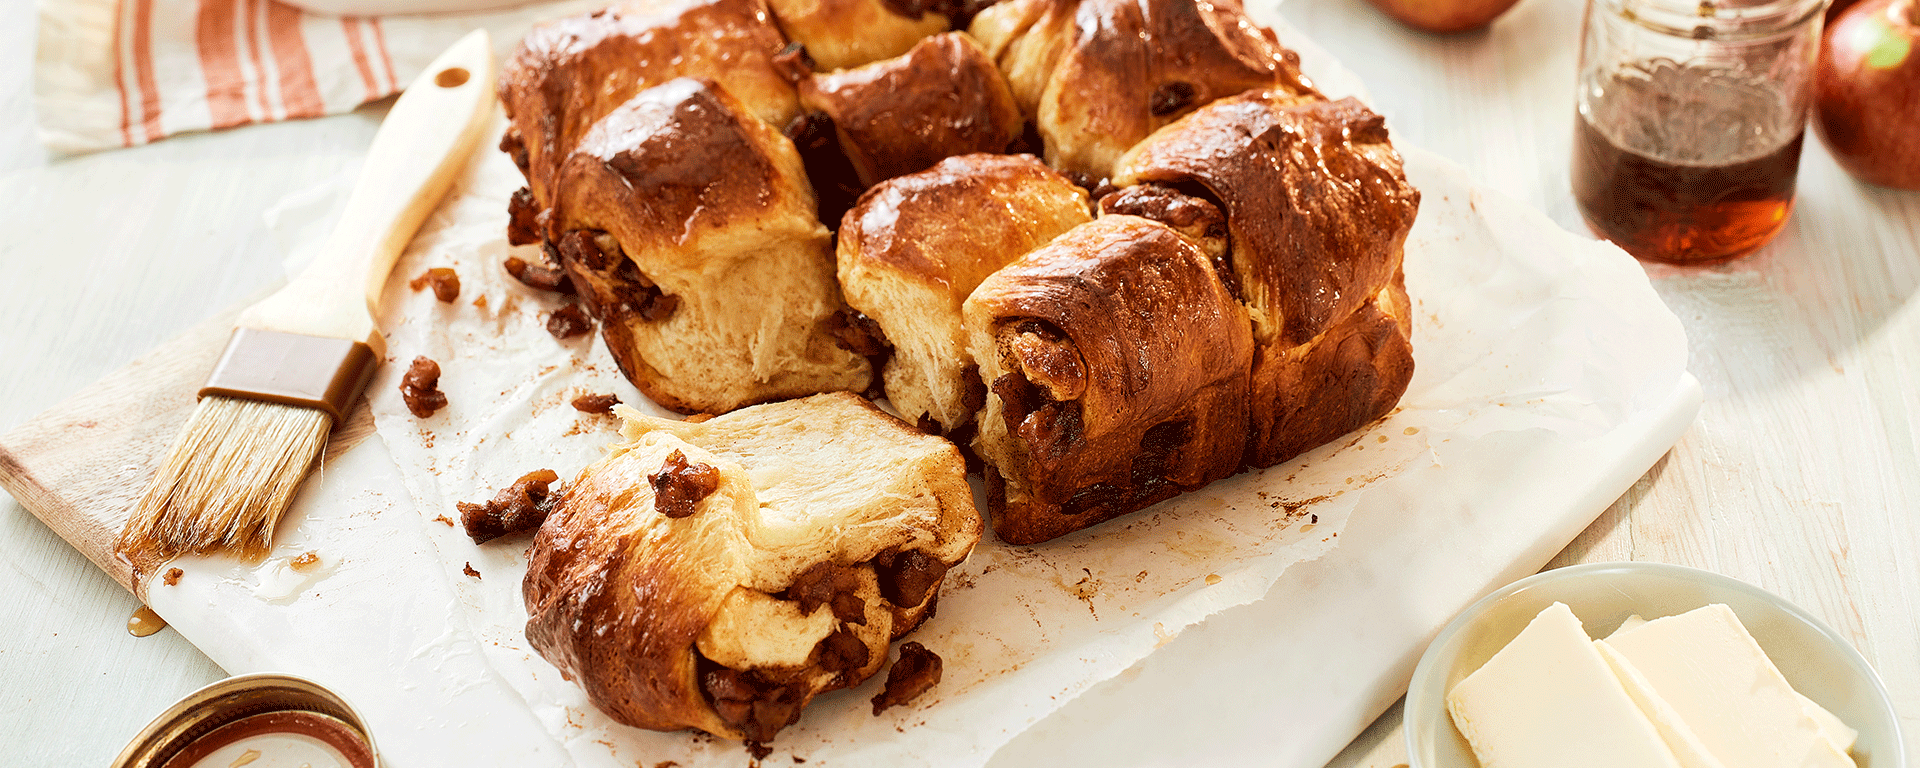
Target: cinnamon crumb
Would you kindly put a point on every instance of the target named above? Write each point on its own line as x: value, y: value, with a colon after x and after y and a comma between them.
x: 172, y: 579
x: 444, y: 520
x: 445, y: 283
x: 758, y: 750
x: 916, y: 671
x: 420, y: 388
x: 470, y: 571
x: 679, y: 485
x: 522, y: 506
x: 541, y: 276
x: 595, y: 403
x: 569, y: 321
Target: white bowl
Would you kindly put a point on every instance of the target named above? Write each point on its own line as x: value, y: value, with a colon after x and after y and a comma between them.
x: 1814, y: 658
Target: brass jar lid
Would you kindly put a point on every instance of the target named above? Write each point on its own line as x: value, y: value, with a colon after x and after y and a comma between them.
x: 244, y: 707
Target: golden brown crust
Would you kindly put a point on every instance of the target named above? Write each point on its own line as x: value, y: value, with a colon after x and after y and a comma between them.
x: 1121, y: 69
x: 1316, y: 201
x: 567, y: 74
x: 840, y: 34
x: 1024, y: 39
x: 1103, y: 403
x: 716, y: 286
x: 675, y: 164
x: 1349, y: 376
x: 915, y: 246
x: 617, y: 612
x: 901, y: 115
x: 961, y: 220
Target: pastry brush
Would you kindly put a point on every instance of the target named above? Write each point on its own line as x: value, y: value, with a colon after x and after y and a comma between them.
x: 299, y: 359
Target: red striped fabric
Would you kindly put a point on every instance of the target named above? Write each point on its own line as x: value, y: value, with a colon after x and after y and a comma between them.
x: 256, y: 60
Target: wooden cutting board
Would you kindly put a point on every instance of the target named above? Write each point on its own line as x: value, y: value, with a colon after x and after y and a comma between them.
x: 79, y: 465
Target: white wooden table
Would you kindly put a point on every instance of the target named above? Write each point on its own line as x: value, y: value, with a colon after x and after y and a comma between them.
x: 1802, y: 474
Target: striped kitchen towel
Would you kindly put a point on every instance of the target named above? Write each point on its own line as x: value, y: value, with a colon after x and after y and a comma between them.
x: 120, y: 73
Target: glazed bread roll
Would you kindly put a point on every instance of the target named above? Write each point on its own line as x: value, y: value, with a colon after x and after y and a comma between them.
x: 565, y: 75
x: 1117, y: 363
x: 719, y: 575
x: 1318, y: 208
x: 917, y: 245
x: 848, y: 33
x: 1308, y: 395
x: 689, y: 229
x: 1097, y: 76
x: 893, y: 117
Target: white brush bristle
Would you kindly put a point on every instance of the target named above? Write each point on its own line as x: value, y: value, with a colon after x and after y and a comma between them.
x: 231, y: 472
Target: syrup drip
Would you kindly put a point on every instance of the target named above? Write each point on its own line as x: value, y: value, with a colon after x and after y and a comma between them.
x: 144, y: 622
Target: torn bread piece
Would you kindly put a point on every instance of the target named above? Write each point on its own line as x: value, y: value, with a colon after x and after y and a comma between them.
x: 719, y: 575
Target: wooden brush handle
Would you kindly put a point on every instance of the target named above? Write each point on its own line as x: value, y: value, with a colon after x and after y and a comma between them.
x: 421, y: 147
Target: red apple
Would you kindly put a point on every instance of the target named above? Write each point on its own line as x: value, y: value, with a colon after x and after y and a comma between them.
x: 1444, y: 16
x: 1867, y: 92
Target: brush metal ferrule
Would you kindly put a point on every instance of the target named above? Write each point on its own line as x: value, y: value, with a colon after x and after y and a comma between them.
x: 294, y: 369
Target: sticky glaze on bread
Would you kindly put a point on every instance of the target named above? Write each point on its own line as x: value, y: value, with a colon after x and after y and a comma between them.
x: 916, y: 246
x: 1117, y: 364
x: 1097, y: 76
x: 689, y: 227
x: 900, y: 115
x: 567, y: 74
x: 839, y: 34
x: 1318, y: 209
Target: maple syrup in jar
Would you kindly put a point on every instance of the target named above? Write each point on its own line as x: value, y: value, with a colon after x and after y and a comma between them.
x: 1690, y: 118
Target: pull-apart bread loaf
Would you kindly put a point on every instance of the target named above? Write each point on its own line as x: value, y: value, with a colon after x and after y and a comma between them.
x: 689, y: 227
x: 1238, y: 301
x: 719, y: 575
x: 1097, y: 76
x: 1317, y: 209
x: 1116, y: 361
x: 914, y: 248
x: 900, y: 115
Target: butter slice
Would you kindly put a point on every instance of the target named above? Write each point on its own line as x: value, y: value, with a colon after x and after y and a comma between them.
x: 1549, y: 700
x: 1713, y: 674
x: 1842, y: 735
x: 1686, y: 746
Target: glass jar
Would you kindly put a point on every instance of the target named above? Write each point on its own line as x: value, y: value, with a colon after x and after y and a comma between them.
x: 1690, y: 120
